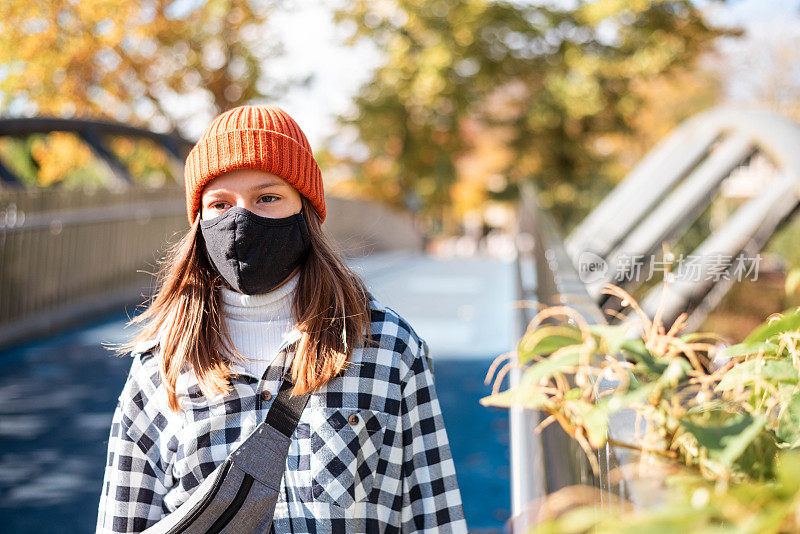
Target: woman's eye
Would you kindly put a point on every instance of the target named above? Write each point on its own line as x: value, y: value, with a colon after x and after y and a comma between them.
x: 272, y: 198
x: 217, y: 205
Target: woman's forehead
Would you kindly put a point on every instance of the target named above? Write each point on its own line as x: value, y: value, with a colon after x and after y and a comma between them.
x: 244, y: 180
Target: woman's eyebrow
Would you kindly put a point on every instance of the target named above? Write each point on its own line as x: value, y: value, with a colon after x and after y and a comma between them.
x: 265, y: 185
x: 223, y: 191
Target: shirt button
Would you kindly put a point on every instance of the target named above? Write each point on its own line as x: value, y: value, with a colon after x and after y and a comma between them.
x: 353, y: 419
x: 266, y: 395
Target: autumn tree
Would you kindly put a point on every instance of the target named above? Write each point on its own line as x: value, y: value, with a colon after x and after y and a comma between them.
x: 564, y: 88
x: 132, y: 60
x: 157, y: 64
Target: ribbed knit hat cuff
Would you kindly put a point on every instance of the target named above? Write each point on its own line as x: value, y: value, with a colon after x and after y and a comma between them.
x: 264, y: 150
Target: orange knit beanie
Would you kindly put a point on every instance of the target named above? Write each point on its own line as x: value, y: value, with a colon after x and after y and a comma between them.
x: 262, y: 137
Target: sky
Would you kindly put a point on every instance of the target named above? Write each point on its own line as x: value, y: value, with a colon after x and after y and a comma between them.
x: 759, y: 60
x: 314, y: 43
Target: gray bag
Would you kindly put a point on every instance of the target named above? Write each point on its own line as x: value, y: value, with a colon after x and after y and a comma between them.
x: 239, y: 496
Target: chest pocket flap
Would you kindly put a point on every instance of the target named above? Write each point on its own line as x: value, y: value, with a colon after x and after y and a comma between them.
x: 343, y: 447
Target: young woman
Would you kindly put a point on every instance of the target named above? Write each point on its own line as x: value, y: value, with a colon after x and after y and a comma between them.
x: 252, y: 292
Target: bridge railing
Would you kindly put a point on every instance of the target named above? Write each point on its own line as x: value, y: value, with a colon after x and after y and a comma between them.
x: 66, y: 255
x: 544, y: 462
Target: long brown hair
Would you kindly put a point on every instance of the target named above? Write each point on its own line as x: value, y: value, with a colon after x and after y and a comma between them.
x: 330, y: 307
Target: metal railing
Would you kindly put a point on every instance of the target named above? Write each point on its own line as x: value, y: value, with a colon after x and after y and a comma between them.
x: 544, y: 462
x: 684, y: 176
x: 68, y: 254
x: 94, y: 133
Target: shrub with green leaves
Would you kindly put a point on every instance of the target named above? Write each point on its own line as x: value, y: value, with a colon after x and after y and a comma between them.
x: 729, y: 417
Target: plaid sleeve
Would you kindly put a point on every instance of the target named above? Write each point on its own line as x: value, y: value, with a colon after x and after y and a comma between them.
x: 133, y: 485
x: 431, y: 498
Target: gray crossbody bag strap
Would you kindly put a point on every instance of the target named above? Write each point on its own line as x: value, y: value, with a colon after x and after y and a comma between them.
x: 239, y: 496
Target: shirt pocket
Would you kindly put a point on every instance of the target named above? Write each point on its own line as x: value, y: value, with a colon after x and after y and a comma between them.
x: 339, y: 452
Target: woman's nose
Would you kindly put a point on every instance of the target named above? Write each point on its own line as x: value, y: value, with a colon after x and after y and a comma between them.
x: 243, y: 203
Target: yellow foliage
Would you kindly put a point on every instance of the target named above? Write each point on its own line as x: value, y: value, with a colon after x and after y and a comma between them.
x: 467, y: 196
x: 112, y: 58
x: 488, y: 156
x: 59, y: 154
x: 146, y: 162
x: 595, y: 12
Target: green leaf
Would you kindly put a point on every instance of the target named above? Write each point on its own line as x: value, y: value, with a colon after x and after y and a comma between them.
x: 516, y: 396
x: 727, y: 442
x: 563, y: 362
x: 789, y: 423
x: 788, y: 472
x: 546, y: 340
x: 610, y: 338
x: 637, y: 393
x: 744, y: 349
x: 788, y: 322
x: 594, y: 418
x: 635, y: 347
x: 636, y: 350
x: 746, y: 373
x: 792, y: 281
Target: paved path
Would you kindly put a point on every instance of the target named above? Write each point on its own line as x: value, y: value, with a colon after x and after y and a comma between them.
x: 57, y: 394
x: 461, y: 307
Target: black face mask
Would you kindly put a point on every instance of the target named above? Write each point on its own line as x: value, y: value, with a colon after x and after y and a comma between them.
x: 252, y: 253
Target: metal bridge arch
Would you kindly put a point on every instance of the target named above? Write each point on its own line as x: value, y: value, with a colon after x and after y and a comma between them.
x: 671, y: 187
x: 92, y: 132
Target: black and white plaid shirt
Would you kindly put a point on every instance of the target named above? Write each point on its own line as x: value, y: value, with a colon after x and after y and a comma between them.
x: 389, y: 469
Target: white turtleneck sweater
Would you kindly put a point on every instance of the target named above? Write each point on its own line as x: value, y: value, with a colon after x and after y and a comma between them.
x: 258, y: 324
